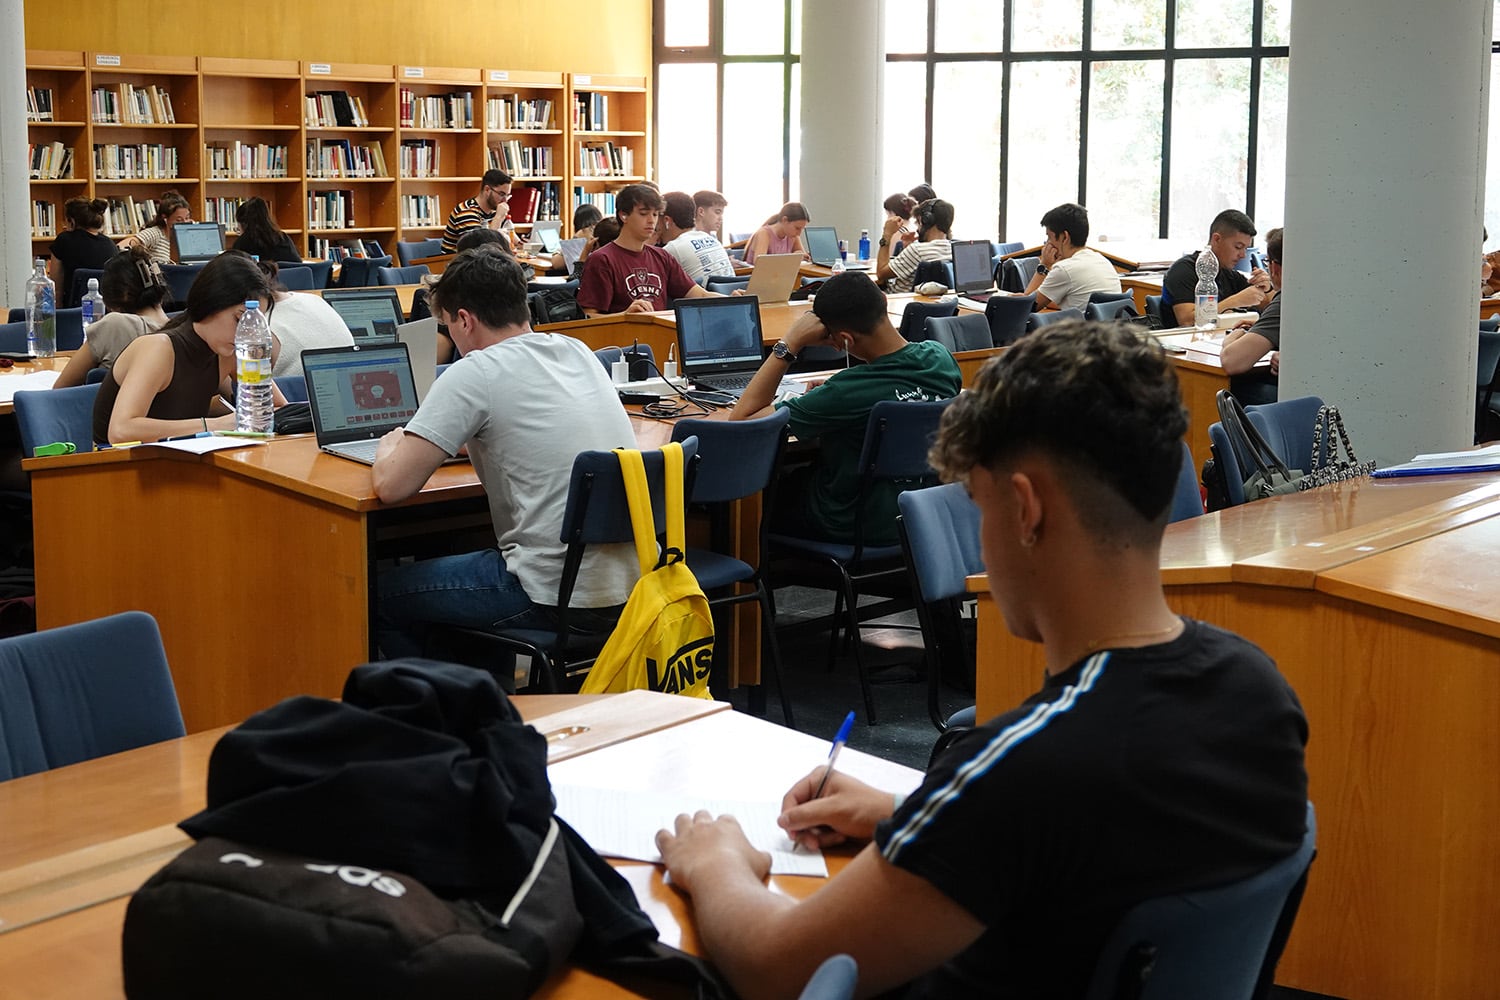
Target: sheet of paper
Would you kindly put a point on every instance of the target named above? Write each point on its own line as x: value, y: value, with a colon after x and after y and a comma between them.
x: 12, y: 384
x: 202, y: 446
x: 623, y: 824
x: 1467, y: 455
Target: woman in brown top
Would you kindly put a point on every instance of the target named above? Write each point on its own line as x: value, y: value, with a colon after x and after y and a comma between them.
x: 166, y: 384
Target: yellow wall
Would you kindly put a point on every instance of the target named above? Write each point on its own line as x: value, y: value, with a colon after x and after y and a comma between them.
x: 585, y: 36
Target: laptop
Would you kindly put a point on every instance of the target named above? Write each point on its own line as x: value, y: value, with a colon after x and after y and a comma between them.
x: 197, y: 242
x: 371, y: 314
x: 973, y: 269
x: 358, y: 395
x: 548, y: 234
x: 719, y: 341
x: 571, y: 250
x: 823, y: 248
x: 420, y: 338
x: 775, y: 276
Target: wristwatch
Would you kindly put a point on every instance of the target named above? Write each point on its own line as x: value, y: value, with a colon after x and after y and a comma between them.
x: 784, y: 352
x: 885, y: 241
x: 1042, y: 269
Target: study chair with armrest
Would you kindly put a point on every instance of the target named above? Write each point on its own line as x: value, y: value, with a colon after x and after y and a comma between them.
x: 410, y: 250
x: 724, y: 285
x: 1016, y: 273
x: 83, y: 691
x: 1110, y: 310
x: 1227, y: 463
x: 1488, y: 364
x: 401, y: 275
x: 914, y: 317
x: 1187, y: 498
x: 68, y: 324
x: 1036, y: 321
x: 738, y: 459
x: 1287, y: 427
x: 50, y: 415
x: 967, y: 331
x: 1007, y: 316
x: 940, y: 271
x: 295, y: 278
x: 322, y: 271
x: 180, y: 278
x: 13, y: 337
x: 1155, y: 315
x: 361, y: 272
x: 293, y: 387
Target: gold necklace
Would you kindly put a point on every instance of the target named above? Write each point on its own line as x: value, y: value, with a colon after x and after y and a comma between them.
x: 1111, y: 640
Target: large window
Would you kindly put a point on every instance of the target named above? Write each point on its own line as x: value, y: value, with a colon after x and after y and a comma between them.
x: 1156, y: 114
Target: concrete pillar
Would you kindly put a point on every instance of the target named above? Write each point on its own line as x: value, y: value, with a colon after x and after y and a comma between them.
x: 843, y: 72
x: 1386, y: 123
x: 15, y: 190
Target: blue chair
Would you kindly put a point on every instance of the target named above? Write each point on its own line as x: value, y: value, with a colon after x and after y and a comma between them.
x: 737, y: 459
x: 1229, y: 463
x: 295, y: 278
x: 50, y: 415
x: 293, y: 387
x: 69, y: 326
x: 596, y: 514
x: 1156, y: 316
x: 80, y: 287
x: 95, y: 376
x: 322, y: 272
x: 1007, y: 316
x: 916, y: 314
x: 361, y: 272
x: 1111, y: 297
x: 401, y: 275
x: 835, y: 979
x: 1187, y: 499
x: 1287, y: 427
x: 724, y: 284
x: 1016, y: 273
x: 13, y: 337
x: 1038, y: 320
x: 967, y: 331
x: 82, y: 691
x: 940, y: 536
x: 180, y: 278
x: 1488, y: 363
x: 1110, y: 310
x: 998, y: 250
x: 1222, y: 942
x: 940, y: 271
x: 410, y: 250
x: 897, y: 437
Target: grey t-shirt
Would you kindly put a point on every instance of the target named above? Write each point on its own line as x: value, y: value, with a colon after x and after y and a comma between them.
x: 112, y: 333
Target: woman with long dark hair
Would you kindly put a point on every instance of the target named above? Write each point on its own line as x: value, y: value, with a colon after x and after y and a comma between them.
x: 260, y: 236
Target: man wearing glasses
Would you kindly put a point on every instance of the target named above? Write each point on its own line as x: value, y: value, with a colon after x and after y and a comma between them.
x: 1244, y: 347
x: 491, y: 208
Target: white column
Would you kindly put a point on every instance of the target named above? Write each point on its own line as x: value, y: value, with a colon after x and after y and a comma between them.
x: 15, y: 190
x: 843, y: 72
x: 1387, y: 116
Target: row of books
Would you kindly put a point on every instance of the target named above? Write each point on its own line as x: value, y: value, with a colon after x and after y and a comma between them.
x: 515, y: 111
x: 127, y: 215
x: 334, y: 109
x: 43, y: 219
x: 421, y: 210
x: 327, y: 158
x: 421, y: 158
x: 127, y: 104
x: 522, y: 161
x: 237, y: 159
x: 534, y: 202
x: 39, y: 104
x: 49, y: 161
x: 142, y: 161
x: 330, y: 209
x: 454, y: 110
x: 591, y: 111
x: 605, y: 159
x: 222, y: 210
x: 604, y: 201
x: 322, y: 248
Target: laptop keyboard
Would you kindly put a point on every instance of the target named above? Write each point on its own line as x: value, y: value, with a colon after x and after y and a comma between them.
x: 362, y: 450
x: 727, y: 383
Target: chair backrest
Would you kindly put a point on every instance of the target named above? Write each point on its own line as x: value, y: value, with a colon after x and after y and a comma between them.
x: 361, y: 272
x: 1228, y: 464
x: 95, y: 376
x: 81, y: 276
x: 82, y: 691
x: 1220, y: 942
x: 1016, y: 273
x: 835, y: 979
x: 1038, y: 320
x: 942, y: 525
x: 1111, y: 297
x: 410, y: 250
x: 1154, y: 313
x: 295, y: 278
x: 914, y: 317
x: 49, y: 415
x: 897, y: 438
x: 322, y: 272
x: 736, y: 458
x: 1489, y: 357
x: 69, y: 327
x: 180, y: 278
x: 1007, y: 316
x: 1110, y: 310
x: 1001, y: 249
x: 401, y: 275
x: 1287, y: 427
x: 723, y: 283
x: 13, y: 337
x: 940, y: 271
x: 293, y: 387
x: 1187, y: 498
x: 967, y: 331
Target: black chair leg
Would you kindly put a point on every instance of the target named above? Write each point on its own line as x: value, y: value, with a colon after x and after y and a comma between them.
x: 859, y: 659
x: 833, y: 630
x: 768, y: 626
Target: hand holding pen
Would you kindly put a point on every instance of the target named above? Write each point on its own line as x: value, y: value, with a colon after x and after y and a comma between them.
x: 828, y: 807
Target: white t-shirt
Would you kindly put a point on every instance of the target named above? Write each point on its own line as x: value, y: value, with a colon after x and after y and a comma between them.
x: 526, y: 407
x: 1070, y: 282
x: 904, y: 264
x: 701, y: 256
x: 302, y: 321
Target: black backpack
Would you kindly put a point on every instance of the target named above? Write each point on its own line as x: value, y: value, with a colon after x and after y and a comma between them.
x: 555, y: 304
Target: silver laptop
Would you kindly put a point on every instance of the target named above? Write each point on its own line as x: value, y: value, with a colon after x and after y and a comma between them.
x: 420, y: 338
x: 197, y: 242
x: 371, y: 314
x: 775, y: 276
x: 358, y: 395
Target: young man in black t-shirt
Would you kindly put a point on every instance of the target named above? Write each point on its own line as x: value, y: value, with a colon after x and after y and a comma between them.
x: 1229, y: 236
x: 1160, y: 755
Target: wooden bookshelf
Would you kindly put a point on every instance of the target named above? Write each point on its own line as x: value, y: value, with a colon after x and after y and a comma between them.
x: 241, y: 128
x: 609, y: 136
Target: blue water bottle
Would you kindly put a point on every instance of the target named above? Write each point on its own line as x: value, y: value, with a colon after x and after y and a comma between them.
x: 864, y: 244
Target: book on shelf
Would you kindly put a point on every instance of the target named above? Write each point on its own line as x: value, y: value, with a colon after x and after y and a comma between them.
x: 49, y: 161
x: 43, y: 219
x: 330, y: 209
x: 222, y: 211
x: 590, y: 111
x: 605, y: 159
x: 523, y: 204
x: 39, y: 104
x: 521, y: 161
x: 421, y: 158
x: 142, y: 161
x: 126, y: 215
x: 331, y: 158
x: 236, y: 160
x: 455, y: 110
x: 127, y: 104
x: 604, y: 201
x: 512, y: 111
x: 421, y: 211
x: 334, y: 109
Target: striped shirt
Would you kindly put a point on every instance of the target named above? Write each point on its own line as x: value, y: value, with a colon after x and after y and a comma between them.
x: 904, y: 264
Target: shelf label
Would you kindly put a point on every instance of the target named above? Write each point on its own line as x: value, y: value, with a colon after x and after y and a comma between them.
x: 319, y: 69
x: 415, y: 72
x: 499, y: 75
x: 582, y: 79
x: 103, y: 60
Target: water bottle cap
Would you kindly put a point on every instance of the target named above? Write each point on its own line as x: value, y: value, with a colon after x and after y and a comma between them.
x: 93, y: 283
x: 252, y: 303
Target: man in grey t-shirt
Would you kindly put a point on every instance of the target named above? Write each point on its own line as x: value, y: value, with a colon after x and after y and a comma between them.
x: 1243, y: 347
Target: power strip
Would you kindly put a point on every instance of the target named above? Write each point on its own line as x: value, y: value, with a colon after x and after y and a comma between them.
x: 656, y: 386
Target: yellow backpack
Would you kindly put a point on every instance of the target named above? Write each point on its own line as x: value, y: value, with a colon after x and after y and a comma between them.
x: 665, y: 637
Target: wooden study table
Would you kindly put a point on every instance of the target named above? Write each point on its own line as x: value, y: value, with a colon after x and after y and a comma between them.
x: 1377, y: 600
x: 76, y: 841
x: 21, y: 368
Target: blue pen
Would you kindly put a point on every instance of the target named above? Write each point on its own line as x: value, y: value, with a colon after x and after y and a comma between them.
x: 833, y: 754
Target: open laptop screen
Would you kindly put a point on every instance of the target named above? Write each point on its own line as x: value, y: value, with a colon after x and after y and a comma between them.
x: 371, y: 314
x: 359, y: 391
x: 822, y: 244
x: 719, y: 334
x: 197, y: 241
x: 972, y: 271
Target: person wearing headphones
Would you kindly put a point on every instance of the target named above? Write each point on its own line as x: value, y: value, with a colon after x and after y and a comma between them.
x: 934, y: 219
x: 848, y: 313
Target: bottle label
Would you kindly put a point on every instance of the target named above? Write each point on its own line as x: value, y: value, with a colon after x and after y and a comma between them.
x: 252, y: 371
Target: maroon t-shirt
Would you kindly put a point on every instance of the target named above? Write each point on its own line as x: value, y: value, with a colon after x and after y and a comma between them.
x: 614, y: 277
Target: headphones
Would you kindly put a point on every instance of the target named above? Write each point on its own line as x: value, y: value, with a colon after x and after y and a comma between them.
x: 925, y: 217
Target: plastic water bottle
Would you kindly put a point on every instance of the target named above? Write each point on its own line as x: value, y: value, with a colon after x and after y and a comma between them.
x: 253, y: 403
x: 837, y: 267
x: 864, y: 244
x: 93, y: 304
x: 41, y: 313
x: 1206, y: 294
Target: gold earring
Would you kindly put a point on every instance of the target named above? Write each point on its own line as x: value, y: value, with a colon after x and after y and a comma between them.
x: 1028, y: 540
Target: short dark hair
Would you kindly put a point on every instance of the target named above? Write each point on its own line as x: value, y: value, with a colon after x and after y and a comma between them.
x: 850, y: 303
x: 922, y: 192
x: 631, y: 197
x: 1093, y: 397
x: 1273, y: 245
x: 585, y: 216
x: 1232, y: 220
x: 679, y: 208
x: 494, y: 179
x: 606, y: 230
x: 709, y: 199
x: 487, y: 282
x: 132, y: 282
x: 934, y: 213
x: 1071, y: 219
x: 900, y: 205
x: 480, y: 236
x: 229, y: 280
